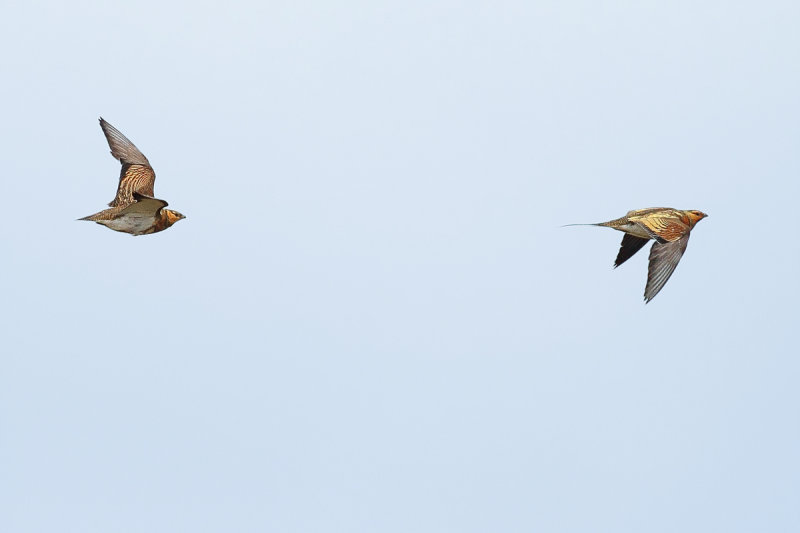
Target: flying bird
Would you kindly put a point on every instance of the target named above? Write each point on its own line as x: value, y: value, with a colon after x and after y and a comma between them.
x: 133, y: 210
x: 668, y: 227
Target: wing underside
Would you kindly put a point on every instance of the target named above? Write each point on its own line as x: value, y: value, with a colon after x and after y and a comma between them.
x: 664, y: 258
x: 630, y: 245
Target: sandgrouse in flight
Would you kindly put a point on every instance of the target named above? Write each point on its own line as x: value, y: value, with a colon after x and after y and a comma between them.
x: 133, y: 210
x: 668, y: 227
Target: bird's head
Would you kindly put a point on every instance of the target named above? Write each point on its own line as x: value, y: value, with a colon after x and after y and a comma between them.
x: 173, y: 216
x: 695, y: 216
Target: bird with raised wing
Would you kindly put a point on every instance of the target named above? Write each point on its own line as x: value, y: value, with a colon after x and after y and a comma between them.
x: 133, y: 210
x: 668, y: 227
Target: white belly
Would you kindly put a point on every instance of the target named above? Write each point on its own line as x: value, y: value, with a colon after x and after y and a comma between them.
x: 133, y: 223
x: 636, y: 230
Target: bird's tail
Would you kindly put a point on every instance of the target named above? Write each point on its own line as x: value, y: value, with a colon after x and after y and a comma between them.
x: 106, y: 214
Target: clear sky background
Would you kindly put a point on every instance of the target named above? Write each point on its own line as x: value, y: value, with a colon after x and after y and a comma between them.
x: 372, y: 319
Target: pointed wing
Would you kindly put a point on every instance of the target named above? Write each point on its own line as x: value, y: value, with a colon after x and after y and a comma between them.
x: 663, y: 260
x: 630, y: 245
x: 121, y: 147
x: 144, y: 205
x: 136, y: 175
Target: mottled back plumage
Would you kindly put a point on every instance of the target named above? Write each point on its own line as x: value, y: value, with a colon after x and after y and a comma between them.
x: 664, y: 224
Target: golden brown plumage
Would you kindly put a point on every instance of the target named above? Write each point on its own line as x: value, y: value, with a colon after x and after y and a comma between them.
x: 670, y: 228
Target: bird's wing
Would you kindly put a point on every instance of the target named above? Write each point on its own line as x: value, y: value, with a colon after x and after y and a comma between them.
x: 630, y: 245
x: 663, y: 260
x: 121, y: 147
x: 133, y: 179
x: 144, y: 205
x: 663, y: 228
x: 136, y: 175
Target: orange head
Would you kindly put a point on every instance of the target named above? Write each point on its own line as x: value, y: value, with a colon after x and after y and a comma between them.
x: 172, y: 216
x: 695, y: 217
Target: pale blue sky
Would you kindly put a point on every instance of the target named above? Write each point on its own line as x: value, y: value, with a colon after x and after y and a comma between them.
x: 371, y: 319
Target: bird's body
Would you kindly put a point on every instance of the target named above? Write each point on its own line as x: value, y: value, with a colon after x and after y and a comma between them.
x: 143, y: 216
x: 133, y: 210
x: 668, y: 227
